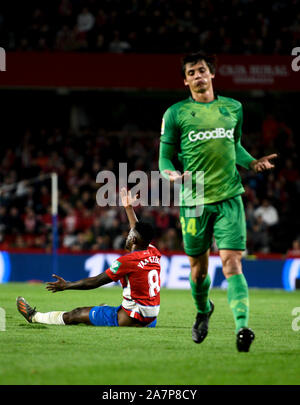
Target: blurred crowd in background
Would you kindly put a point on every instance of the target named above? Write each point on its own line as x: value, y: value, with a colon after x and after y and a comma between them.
x: 151, y: 26
x: 271, y: 199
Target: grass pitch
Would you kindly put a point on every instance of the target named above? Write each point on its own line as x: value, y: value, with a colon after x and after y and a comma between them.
x: 33, y: 354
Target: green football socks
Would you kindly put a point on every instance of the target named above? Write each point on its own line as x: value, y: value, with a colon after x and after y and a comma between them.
x: 237, y: 293
x: 200, y: 294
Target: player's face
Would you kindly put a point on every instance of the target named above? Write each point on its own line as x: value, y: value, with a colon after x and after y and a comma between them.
x: 198, y: 77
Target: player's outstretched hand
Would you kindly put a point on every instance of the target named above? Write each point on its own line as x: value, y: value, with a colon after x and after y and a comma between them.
x: 58, y: 285
x: 263, y: 163
x: 126, y: 197
x: 176, y: 176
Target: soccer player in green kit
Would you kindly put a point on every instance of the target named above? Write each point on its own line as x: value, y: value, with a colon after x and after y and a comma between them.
x: 205, y: 132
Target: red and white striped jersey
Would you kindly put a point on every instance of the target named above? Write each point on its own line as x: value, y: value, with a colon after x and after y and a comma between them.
x: 139, y: 274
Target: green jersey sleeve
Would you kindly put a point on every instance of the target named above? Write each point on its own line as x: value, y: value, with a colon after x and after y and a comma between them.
x: 168, y: 141
x: 166, y: 153
x: 169, y: 127
x: 243, y: 158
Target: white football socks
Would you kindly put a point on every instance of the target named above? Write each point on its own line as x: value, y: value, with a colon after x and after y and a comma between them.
x: 50, y: 318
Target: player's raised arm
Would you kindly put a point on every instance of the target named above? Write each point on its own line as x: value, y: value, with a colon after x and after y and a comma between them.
x: 84, y: 284
x: 127, y: 201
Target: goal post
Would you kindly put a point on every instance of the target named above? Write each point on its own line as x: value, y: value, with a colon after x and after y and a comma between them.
x: 11, y: 191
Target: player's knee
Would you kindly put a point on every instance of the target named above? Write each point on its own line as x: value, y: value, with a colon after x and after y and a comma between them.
x: 199, y: 270
x: 198, y: 278
x: 232, y: 264
x: 71, y: 317
x: 67, y: 318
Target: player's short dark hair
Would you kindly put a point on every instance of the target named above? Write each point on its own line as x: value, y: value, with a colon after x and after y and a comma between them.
x: 145, y: 230
x: 193, y: 58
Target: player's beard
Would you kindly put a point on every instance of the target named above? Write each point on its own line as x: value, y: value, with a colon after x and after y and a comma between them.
x: 202, y: 88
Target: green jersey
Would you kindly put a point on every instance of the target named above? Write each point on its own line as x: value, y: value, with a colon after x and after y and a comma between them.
x: 206, y: 137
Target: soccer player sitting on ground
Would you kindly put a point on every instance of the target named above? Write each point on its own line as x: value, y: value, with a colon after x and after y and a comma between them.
x: 138, y: 272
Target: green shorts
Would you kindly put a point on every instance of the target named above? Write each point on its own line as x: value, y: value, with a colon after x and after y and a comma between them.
x: 225, y: 220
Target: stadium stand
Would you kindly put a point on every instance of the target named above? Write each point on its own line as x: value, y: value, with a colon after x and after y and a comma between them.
x: 238, y: 27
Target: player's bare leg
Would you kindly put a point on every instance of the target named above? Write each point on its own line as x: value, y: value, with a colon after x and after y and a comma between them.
x: 74, y: 317
x: 237, y: 296
x: 200, y: 283
x: 231, y: 262
x: 199, y: 266
x: 125, y: 320
x: 77, y: 315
